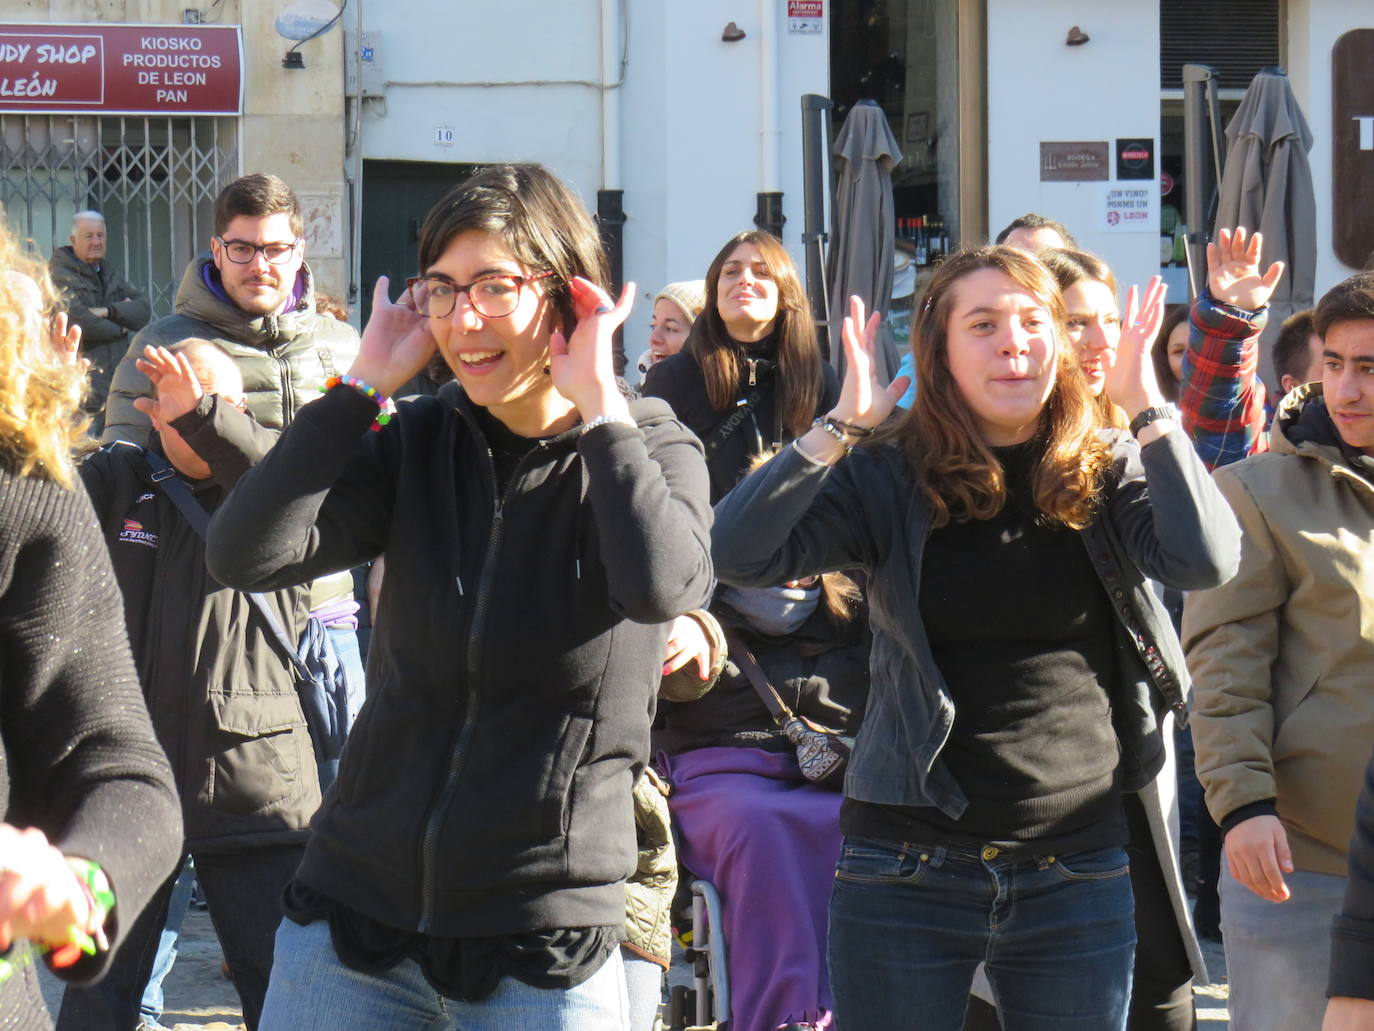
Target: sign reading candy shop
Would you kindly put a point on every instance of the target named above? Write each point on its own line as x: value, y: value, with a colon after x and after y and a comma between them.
x: 121, y: 69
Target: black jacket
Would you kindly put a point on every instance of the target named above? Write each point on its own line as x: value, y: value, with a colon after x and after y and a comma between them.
x: 84, y: 287
x: 1352, y: 937
x: 78, y: 758
x: 820, y: 672
x: 222, y: 697
x: 485, y: 788
x: 679, y: 381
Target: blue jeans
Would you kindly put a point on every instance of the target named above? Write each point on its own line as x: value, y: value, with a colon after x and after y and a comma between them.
x: 150, y: 1009
x: 910, y: 924
x: 311, y: 987
x: 1278, y: 953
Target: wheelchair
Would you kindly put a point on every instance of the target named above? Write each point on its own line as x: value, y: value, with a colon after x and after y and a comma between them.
x: 705, y: 1006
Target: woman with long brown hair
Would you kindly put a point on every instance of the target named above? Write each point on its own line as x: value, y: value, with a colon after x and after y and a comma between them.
x: 1019, y: 658
x: 751, y: 376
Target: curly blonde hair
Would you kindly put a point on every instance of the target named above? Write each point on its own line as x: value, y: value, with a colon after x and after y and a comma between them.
x: 41, y: 422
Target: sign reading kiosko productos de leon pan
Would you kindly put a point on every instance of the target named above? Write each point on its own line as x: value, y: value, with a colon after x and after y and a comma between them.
x: 121, y: 69
x: 1352, y: 148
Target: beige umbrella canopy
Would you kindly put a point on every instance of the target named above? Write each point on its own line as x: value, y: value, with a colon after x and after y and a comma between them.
x: 1266, y: 184
x: 860, y: 259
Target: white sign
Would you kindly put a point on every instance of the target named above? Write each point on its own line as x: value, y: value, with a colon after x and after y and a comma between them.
x: 805, y: 17
x: 443, y: 136
x: 1130, y: 208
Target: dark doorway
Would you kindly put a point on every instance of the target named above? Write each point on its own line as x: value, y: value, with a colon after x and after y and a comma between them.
x: 396, y: 197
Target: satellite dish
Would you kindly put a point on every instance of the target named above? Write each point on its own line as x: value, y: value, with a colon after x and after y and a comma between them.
x: 302, y: 19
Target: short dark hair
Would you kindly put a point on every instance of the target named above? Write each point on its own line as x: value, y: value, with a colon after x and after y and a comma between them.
x: 543, y: 223
x: 1174, y: 316
x: 1347, y: 301
x: 1030, y: 220
x: 1291, y: 356
x: 257, y: 195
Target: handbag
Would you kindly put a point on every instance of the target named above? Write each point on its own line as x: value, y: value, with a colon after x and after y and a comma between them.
x: 321, y: 682
x: 822, y: 753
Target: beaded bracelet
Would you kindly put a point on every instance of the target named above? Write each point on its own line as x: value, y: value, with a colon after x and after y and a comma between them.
x: 387, y: 408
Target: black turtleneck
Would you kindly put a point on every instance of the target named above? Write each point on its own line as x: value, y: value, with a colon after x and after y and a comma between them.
x: 1023, y: 634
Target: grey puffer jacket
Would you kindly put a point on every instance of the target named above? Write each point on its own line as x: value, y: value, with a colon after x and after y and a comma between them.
x: 284, y: 358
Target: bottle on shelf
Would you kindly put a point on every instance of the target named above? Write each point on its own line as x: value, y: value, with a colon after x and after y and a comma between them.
x: 919, y: 237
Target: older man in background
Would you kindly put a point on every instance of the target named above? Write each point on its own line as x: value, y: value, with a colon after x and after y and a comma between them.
x: 102, y: 302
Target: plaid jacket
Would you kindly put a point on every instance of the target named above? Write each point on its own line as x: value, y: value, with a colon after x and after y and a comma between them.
x: 1221, y: 396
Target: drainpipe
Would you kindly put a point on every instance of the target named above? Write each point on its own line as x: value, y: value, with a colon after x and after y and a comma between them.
x: 769, y: 214
x: 610, y: 206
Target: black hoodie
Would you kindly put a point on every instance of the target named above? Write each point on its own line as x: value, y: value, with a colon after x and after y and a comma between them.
x: 485, y: 788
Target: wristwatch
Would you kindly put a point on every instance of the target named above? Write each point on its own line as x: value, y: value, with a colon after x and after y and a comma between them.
x: 1148, y: 416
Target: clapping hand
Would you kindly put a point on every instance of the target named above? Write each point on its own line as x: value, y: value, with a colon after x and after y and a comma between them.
x: 1131, y: 381
x: 176, y: 390
x: 581, y: 365
x: 865, y: 401
x: 1233, y: 272
x: 66, y: 341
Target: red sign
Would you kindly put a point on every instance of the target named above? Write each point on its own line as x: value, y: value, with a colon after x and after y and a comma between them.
x: 121, y: 69
x: 805, y: 8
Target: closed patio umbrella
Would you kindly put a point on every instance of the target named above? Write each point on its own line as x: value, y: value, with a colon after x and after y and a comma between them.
x: 860, y: 260
x: 1266, y: 184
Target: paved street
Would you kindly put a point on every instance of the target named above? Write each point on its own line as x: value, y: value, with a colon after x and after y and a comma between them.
x: 199, y: 998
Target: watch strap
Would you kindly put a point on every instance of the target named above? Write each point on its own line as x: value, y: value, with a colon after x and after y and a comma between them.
x: 1148, y: 416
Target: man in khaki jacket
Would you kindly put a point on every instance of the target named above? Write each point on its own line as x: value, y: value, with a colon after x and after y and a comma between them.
x: 1282, y: 662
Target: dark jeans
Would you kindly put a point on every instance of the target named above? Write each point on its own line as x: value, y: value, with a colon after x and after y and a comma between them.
x: 1162, y: 978
x: 909, y: 925
x: 243, y: 890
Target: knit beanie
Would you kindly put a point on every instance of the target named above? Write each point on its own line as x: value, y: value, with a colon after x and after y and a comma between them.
x: 689, y: 295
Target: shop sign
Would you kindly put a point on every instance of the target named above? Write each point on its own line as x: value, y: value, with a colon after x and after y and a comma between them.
x: 1128, y: 209
x: 1135, y: 159
x: 1352, y: 147
x: 804, y: 17
x: 121, y: 69
x: 1073, y: 162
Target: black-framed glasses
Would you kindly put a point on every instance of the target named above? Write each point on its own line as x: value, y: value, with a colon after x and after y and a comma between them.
x: 492, y: 297
x: 241, y: 252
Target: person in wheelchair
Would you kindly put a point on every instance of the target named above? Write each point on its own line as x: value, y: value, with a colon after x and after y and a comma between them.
x: 748, y: 819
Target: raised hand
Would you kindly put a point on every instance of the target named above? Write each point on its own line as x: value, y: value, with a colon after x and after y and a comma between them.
x: 1131, y: 381
x: 582, y: 365
x: 176, y: 390
x: 1233, y: 272
x: 865, y: 400
x: 66, y: 341
x: 396, y: 341
x: 40, y: 897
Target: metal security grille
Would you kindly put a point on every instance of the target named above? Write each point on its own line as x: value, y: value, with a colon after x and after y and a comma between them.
x: 154, y: 179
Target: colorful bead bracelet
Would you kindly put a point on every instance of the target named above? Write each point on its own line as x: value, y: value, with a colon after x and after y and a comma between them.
x: 386, y: 406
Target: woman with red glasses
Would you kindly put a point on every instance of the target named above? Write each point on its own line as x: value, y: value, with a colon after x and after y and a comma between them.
x: 467, y: 868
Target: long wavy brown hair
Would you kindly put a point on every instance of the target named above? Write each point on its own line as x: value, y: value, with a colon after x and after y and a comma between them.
x: 721, y: 357
x: 41, y: 423
x: 953, y: 463
x: 1069, y: 267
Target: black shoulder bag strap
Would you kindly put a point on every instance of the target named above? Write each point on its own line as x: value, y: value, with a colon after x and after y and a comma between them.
x: 758, y: 679
x: 726, y: 429
x: 180, y: 495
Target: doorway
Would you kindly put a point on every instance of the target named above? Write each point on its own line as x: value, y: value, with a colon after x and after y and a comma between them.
x: 396, y: 197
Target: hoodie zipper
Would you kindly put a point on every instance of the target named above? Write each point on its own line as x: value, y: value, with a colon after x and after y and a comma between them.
x: 458, y: 751
x: 753, y: 370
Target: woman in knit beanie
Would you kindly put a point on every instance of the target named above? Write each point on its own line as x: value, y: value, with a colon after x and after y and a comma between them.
x: 676, y: 307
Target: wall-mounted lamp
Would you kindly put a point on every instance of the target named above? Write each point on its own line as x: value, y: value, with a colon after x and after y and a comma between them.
x: 1077, y: 37
x: 732, y: 34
